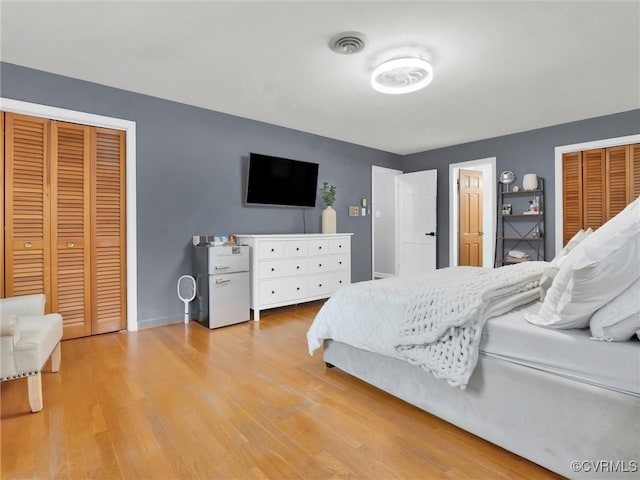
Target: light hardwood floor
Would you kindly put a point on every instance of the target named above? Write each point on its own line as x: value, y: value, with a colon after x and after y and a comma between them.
x: 245, y: 401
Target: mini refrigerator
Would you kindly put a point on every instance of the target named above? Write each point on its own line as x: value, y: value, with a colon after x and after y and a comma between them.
x: 222, y: 284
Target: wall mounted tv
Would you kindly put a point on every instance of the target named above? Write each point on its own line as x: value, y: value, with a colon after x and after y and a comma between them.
x: 281, y: 182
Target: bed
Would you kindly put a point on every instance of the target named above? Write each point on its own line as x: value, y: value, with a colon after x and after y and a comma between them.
x: 546, y: 391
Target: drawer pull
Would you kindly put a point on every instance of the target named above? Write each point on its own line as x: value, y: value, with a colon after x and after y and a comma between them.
x: 222, y: 282
x: 297, y: 249
x: 273, y: 249
x: 320, y: 247
x: 222, y: 267
x: 28, y: 244
x: 298, y: 288
x: 319, y: 284
x: 297, y: 267
x: 340, y: 263
x: 319, y: 264
x: 273, y: 269
x: 71, y: 244
x: 272, y: 292
x: 340, y: 281
x: 339, y: 246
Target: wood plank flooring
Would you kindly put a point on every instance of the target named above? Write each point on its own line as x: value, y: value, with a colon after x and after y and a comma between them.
x: 244, y: 401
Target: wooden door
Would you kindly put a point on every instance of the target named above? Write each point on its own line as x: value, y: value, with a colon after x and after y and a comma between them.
x: 571, y: 195
x: 27, y: 206
x: 593, y: 188
x: 108, y: 262
x: 617, y: 180
x: 470, y: 213
x: 70, y: 240
x: 634, y: 169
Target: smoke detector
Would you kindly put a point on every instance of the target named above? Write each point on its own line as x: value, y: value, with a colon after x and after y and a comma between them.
x: 348, y: 43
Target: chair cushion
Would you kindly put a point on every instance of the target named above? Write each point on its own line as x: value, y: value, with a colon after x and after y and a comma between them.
x: 9, y: 326
x: 39, y: 335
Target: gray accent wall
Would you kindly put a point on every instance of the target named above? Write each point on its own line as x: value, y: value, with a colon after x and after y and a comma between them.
x: 527, y: 152
x: 191, y: 168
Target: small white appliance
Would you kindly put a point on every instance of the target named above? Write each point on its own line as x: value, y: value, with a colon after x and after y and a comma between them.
x: 222, y: 278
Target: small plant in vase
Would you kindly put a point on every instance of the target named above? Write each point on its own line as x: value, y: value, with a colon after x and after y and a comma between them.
x: 328, y: 193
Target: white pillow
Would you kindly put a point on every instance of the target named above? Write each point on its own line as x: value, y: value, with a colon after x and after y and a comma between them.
x: 619, y: 319
x: 552, y: 270
x: 596, y: 271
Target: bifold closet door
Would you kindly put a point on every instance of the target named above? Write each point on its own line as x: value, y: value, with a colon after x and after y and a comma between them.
x: 108, y: 239
x: 571, y: 195
x: 70, y: 239
x: 27, y: 207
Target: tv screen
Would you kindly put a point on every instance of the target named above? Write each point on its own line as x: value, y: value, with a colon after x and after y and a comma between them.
x: 282, y: 182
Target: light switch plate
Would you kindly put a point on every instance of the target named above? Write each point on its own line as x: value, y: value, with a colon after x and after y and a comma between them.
x: 353, y: 211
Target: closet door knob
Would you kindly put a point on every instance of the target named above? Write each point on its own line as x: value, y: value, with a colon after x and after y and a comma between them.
x: 71, y: 244
x: 28, y: 244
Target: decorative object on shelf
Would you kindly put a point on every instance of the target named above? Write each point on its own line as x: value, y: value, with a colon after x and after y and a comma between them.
x: 507, y: 177
x: 328, y: 193
x: 530, y: 181
x: 506, y: 209
x: 515, y: 189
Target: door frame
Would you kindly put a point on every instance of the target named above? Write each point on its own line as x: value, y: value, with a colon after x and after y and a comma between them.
x: 488, y: 202
x: 373, y: 217
x: 561, y: 150
x: 74, y: 116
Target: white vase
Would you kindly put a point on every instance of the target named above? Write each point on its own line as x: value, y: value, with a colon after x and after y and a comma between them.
x: 328, y: 220
x: 530, y: 181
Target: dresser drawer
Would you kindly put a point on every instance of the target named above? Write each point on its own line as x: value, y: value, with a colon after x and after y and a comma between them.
x: 282, y: 290
x: 282, y: 268
x: 296, y: 248
x: 328, y: 263
x: 340, y: 245
x: 270, y: 250
x: 327, y: 283
x: 318, y: 247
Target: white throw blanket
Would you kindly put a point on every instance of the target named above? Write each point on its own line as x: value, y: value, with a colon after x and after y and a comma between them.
x: 444, y: 323
x: 433, y: 320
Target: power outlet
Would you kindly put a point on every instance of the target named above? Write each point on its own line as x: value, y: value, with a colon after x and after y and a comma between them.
x: 354, y: 211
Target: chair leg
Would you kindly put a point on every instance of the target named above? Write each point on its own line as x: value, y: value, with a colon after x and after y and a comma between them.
x: 55, y: 358
x: 35, y: 392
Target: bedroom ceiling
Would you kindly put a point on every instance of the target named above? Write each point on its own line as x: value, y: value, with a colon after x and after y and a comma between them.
x: 499, y: 67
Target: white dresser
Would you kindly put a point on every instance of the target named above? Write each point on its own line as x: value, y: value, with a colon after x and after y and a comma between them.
x: 296, y: 268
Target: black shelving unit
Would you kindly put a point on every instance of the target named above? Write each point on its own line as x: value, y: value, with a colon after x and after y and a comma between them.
x: 519, y: 230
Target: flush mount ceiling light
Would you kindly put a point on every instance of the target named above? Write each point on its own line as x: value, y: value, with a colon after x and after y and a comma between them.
x: 402, y: 75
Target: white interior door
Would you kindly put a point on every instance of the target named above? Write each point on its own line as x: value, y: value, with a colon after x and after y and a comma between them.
x: 417, y: 193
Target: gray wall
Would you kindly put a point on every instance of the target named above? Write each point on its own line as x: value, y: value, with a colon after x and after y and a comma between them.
x: 526, y: 152
x: 191, y: 167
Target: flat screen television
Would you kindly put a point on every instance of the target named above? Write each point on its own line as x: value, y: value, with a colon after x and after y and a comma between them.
x: 281, y: 182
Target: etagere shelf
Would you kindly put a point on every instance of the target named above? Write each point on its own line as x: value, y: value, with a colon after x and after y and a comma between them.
x: 519, y: 228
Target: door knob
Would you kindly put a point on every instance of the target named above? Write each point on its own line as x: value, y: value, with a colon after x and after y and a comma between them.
x: 28, y: 244
x: 71, y: 244
x: 481, y: 233
x: 431, y: 234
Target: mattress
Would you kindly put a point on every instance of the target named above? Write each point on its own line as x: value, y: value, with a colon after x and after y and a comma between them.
x: 571, y: 354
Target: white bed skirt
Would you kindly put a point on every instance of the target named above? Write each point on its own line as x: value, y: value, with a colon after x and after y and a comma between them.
x: 545, y: 418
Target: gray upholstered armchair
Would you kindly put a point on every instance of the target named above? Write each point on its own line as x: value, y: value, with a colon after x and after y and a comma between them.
x: 28, y: 338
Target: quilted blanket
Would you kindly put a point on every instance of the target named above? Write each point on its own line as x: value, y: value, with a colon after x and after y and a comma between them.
x: 433, y: 320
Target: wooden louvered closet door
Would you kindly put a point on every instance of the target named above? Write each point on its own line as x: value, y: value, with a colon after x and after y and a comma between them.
x: 108, y: 226
x: 70, y: 240
x: 571, y: 195
x: 27, y: 207
x: 597, y: 185
x: 64, y: 220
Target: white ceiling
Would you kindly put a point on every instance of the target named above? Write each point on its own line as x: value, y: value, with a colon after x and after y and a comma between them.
x: 500, y: 67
